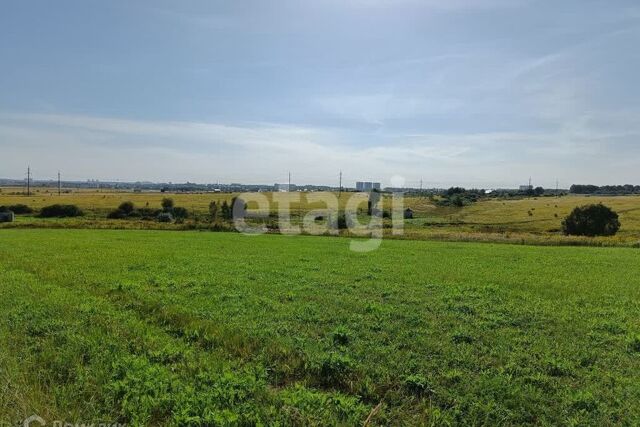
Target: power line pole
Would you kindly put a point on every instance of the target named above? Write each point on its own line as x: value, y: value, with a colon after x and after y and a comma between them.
x: 289, y: 187
x: 28, y: 180
x: 420, y: 186
x: 59, y: 187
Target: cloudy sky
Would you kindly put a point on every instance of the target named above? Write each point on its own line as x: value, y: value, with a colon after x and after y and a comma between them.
x: 477, y: 93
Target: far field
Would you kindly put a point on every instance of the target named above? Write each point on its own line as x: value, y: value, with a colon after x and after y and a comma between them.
x: 535, y: 220
x: 197, y: 328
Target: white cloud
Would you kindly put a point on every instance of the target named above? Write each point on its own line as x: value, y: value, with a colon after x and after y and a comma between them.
x: 108, y: 148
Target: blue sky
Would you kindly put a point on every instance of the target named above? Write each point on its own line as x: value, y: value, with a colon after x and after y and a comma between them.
x: 476, y: 93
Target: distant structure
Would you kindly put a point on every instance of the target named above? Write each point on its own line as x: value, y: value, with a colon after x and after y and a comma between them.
x: 284, y: 188
x: 364, y: 186
x: 528, y: 187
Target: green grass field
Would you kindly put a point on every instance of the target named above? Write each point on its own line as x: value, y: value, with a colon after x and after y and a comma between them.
x: 193, y: 328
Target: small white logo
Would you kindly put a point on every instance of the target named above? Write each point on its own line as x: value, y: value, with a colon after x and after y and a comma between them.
x: 32, y: 419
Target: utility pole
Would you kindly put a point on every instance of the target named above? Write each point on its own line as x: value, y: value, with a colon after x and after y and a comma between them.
x: 420, y: 186
x: 59, y: 187
x: 28, y: 180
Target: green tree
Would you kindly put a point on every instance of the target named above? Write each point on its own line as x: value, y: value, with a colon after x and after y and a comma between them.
x: 591, y: 220
x: 167, y: 204
x: 126, y: 207
x: 225, y: 210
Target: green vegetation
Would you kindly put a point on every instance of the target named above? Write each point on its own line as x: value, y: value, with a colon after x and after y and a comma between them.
x: 18, y: 209
x: 591, y: 220
x: 607, y: 189
x: 482, y: 218
x: 459, y: 197
x: 127, y: 210
x: 60, y: 211
x: 158, y: 327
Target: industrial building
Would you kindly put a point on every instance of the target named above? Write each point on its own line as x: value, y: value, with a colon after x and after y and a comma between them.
x: 367, y: 186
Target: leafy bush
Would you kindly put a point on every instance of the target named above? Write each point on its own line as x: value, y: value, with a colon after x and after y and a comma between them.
x: 18, y: 209
x: 60, y: 211
x: 455, y: 190
x: 126, y: 207
x: 457, y: 201
x: 180, y: 213
x: 591, y: 220
x: 165, y: 217
x: 124, y: 210
x: 117, y: 214
x: 167, y: 204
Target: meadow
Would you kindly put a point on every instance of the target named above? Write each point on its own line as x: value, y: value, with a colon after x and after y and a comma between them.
x: 197, y: 328
x: 527, y: 220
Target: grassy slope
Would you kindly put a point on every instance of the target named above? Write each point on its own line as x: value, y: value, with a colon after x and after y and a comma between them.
x: 160, y: 327
x: 531, y: 220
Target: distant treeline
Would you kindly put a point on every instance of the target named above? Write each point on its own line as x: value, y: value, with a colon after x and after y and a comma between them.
x: 606, y: 189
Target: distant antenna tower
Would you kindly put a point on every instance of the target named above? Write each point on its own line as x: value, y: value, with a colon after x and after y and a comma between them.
x: 420, y: 185
x: 28, y: 180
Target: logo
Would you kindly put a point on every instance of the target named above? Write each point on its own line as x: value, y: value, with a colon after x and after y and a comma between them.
x: 29, y: 422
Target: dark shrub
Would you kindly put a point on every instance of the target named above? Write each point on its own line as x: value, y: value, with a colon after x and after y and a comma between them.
x: 126, y: 207
x: 17, y: 209
x: 60, y: 211
x: 341, y: 221
x: 591, y: 220
x: 457, y: 201
x: 117, y: 214
x: 146, y: 213
x: 165, y: 217
x: 125, y: 210
x: 455, y: 190
x: 167, y: 204
x: 226, y: 211
x: 180, y: 213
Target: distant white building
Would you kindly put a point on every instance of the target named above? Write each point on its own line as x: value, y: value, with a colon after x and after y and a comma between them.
x: 365, y: 186
x: 526, y: 187
x: 284, y: 188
